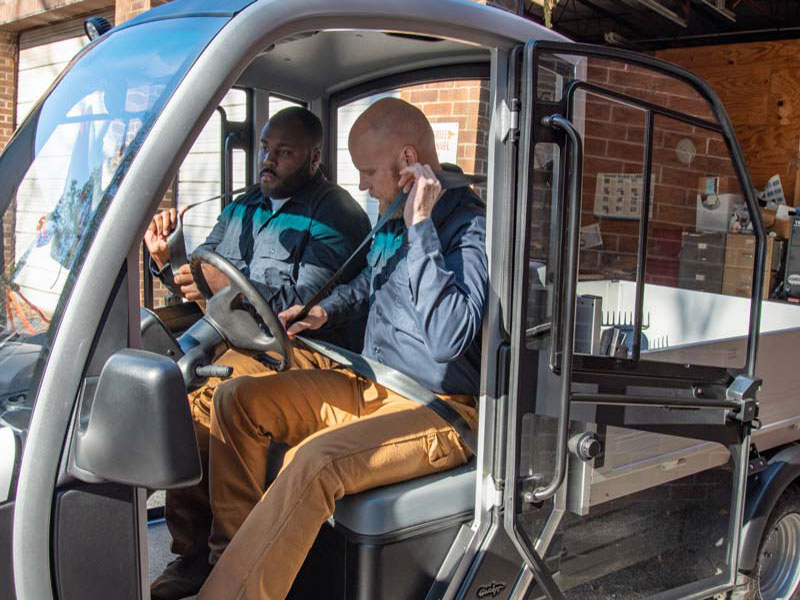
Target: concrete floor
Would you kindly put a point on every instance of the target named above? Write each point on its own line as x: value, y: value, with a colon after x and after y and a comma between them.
x: 158, y: 539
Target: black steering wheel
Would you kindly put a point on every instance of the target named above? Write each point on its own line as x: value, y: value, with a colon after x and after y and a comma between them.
x: 229, y: 312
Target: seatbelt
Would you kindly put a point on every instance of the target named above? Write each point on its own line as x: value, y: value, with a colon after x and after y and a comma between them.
x: 397, y: 382
x: 175, y: 241
x: 447, y: 179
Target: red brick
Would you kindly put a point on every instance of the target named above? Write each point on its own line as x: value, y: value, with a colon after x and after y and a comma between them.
x: 627, y: 116
x: 626, y: 151
x: 683, y: 215
x: 418, y: 96
x: 604, y: 129
x: 594, y: 147
x: 667, y: 194
x: 593, y: 164
x: 461, y: 94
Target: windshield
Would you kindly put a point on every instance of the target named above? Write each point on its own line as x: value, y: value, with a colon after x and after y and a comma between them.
x: 62, y: 169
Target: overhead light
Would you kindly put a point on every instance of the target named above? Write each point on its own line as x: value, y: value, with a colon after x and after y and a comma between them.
x: 665, y: 12
x: 95, y: 27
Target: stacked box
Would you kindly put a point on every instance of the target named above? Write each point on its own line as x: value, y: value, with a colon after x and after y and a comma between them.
x: 701, y: 261
x: 740, y: 252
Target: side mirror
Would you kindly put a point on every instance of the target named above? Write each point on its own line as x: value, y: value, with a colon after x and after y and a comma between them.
x: 139, y: 430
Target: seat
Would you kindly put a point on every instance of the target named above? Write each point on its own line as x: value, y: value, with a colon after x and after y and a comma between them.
x: 410, y: 505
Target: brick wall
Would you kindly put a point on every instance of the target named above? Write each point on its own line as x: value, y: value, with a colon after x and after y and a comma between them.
x: 465, y: 102
x: 614, y: 144
x: 8, y: 94
x: 127, y: 9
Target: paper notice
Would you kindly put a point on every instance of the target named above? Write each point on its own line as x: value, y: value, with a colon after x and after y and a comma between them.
x: 591, y: 236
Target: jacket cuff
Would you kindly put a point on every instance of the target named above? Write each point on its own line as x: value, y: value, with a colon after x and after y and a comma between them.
x: 159, y: 272
x: 422, y: 240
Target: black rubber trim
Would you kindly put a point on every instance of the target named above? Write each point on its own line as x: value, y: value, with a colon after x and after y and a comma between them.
x: 763, y: 492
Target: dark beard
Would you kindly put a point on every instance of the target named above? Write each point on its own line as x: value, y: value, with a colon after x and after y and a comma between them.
x: 289, y: 185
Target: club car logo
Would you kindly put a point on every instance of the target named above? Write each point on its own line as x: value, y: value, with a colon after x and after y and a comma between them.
x: 491, y: 590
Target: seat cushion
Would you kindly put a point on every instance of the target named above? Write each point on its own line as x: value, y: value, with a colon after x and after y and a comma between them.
x: 411, y: 504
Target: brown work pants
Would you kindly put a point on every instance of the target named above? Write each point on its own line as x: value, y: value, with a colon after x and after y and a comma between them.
x: 188, y: 510
x: 346, y: 435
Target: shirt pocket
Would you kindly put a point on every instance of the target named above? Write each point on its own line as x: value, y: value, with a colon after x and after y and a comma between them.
x: 280, y: 254
x: 398, y: 298
x: 231, y: 249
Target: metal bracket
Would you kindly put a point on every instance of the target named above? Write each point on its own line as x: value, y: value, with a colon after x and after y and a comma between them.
x: 528, y: 485
x: 743, y: 390
x: 756, y: 463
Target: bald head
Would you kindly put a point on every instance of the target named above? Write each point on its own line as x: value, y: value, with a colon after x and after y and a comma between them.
x: 388, y: 137
x: 394, y: 125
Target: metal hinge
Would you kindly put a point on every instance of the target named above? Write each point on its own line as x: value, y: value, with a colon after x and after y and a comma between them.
x: 756, y: 463
x: 510, y: 121
x: 743, y: 390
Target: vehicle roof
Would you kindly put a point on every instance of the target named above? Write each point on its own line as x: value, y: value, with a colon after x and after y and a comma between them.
x: 189, y: 8
x: 458, y: 13
x: 320, y: 63
x: 307, y: 63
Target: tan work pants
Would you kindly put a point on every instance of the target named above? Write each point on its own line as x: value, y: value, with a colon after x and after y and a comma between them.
x: 188, y: 510
x: 347, y: 435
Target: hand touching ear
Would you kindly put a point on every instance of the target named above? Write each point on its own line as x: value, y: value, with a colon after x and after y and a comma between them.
x: 423, y: 189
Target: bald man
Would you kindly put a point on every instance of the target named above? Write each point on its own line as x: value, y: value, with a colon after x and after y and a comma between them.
x: 425, y: 284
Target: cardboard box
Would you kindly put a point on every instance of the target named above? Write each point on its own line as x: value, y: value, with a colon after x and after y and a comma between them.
x: 768, y: 217
x: 740, y: 251
x: 782, y: 228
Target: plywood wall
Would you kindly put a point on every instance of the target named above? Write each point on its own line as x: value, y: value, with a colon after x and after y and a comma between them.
x: 759, y: 83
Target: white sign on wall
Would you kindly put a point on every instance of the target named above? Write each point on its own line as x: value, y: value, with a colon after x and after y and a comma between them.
x: 446, y: 135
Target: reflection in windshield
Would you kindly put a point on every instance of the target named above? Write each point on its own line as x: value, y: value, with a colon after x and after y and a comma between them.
x: 86, y: 132
x: 58, y: 175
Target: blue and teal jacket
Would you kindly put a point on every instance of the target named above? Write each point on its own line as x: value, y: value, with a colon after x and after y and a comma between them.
x: 425, y: 287
x: 291, y: 253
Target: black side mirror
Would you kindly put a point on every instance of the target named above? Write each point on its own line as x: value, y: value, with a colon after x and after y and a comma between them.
x: 139, y: 430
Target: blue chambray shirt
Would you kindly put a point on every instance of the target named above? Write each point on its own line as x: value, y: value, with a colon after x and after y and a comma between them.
x: 289, y: 254
x: 425, y: 287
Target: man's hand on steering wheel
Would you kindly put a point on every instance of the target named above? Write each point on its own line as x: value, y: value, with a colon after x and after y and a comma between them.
x: 185, y: 281
x: 225, y: 311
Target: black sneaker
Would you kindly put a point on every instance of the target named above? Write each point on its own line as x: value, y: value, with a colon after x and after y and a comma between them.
x: 182, y: 577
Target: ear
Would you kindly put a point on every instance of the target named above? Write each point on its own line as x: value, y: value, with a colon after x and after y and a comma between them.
x: 316, y: 157
x: 408, y: 156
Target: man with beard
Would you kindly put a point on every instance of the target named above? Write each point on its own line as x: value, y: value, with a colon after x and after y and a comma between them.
x: 425, y: 284
x: 288, y: 238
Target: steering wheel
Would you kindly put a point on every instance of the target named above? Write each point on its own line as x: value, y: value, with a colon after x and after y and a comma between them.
x: 227, y: 312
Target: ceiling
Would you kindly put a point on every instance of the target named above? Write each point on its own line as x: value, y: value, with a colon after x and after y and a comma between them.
x: 655, y: 24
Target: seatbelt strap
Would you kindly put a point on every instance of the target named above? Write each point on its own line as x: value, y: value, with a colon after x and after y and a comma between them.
x: 397, y: 382
x: 175, y: 240
x: 447, y: 179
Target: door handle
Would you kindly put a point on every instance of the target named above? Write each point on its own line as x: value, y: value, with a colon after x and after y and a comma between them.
x: 570, y: 284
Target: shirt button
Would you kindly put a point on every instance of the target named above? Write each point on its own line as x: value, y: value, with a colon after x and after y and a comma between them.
x: 272, y: 250
x: 378, y: 311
